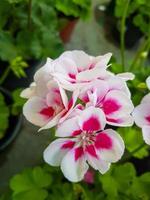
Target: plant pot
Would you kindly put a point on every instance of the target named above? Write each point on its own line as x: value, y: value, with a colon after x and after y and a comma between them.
x: 104, y: 14
x: 67, y: 25
x: 141, y: 165
x: 12, y: 82
x: 15, y: 123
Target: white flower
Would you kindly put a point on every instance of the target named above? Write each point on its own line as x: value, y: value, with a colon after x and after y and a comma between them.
x: 87, y: 144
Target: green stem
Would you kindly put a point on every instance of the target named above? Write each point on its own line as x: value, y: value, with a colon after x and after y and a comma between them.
x: 133, y: 152
x: 29, y: 13
x: 5, y: 74
x: 122, y: 34
x: 141, y: 49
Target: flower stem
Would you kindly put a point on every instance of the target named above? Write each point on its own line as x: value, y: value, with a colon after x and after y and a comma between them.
x: 5, y: 74
x: 142, y: 48
x: 122, y: 34
x: 133, y: 152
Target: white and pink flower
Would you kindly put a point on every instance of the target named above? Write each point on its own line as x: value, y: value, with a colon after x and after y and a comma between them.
x: 84, y: 143
x: 111, y: 98
x: 52, y: 100
x: 46, y: 111
x: 141, y: 115
x: 73, y: 69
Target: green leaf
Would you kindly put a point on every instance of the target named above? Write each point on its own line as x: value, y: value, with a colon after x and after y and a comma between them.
x: 8, y: 49
x: 33, y: 194
x: 74, y: 8
x: 140, y: 188
x: 4, y: 116
x: 31, y: 184
x: 18, y: 102
x: 124, y: 175
x: 133, y: 139
x: 17, y: 65
x: 118, y: 180
x: 109, y: 185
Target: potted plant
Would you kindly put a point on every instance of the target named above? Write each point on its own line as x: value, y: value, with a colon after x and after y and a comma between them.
x: 137, y: 20
x: 28, y: 29
x: 10, y: 105
x: 68, y: 13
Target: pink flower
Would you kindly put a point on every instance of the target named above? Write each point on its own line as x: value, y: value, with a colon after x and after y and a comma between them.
x: 46, y: 111
x: 73, y: 69
x: 112, y: 97
x: 141, y: 115
x: 84, y: 143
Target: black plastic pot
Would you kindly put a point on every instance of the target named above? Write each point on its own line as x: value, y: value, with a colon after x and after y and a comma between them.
x: 12, y: 82
x: 15, y: 123
x: 104, y: 14
x: 141, y: 165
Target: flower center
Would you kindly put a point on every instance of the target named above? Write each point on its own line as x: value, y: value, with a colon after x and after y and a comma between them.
x: 87, y: 138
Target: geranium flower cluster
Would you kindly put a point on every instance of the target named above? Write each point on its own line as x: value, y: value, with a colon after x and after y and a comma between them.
x: 77, y: 94
x: 141, y: 115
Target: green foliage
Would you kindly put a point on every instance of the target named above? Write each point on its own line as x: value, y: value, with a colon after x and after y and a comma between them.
x: 28, y: 31
x: 118, y: 181
x: 47, y: 183
x: 8, y: 48
x: 18, y: 102
x: 17, y: 65
x: 75, y: 8
x: 132, y: 137
x: 122, y: 183
x: 141, y: 11
x: 30, y: 184
x: 4, y: 116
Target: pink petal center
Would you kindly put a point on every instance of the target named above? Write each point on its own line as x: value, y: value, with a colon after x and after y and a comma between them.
x: 103, y: 141
x: 113, y: 120
x: 92, y: 124
x: 77, y: 132
x: 91, y: 150
x: 47, y: 112
x: 73, y: 76
x: 148, y: 118
x: 110, y: 106
x: 68, y: 145
x: 78, y: 153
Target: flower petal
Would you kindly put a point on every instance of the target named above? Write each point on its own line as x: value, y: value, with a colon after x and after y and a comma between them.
x: 81, y: 59
x: 42, y: 76
x: 97, y: 87
x: 146, y: 134
x: 53, y: 122
x: 126, y: 76
x: 146, y: 99
x: 55, y: 152
x: 103, y: 60
x: 141, y: 114
x: 98, y: 164
x: 122, y: 121
x: 69, y: 127
x: 92, y: 119
x: 109, y: 145
x: 74, y: 165
x: 117, y: 83
x: 29, y: 92
x: 33, y: 108
x: 91, y: 74
x: 116, y: 103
